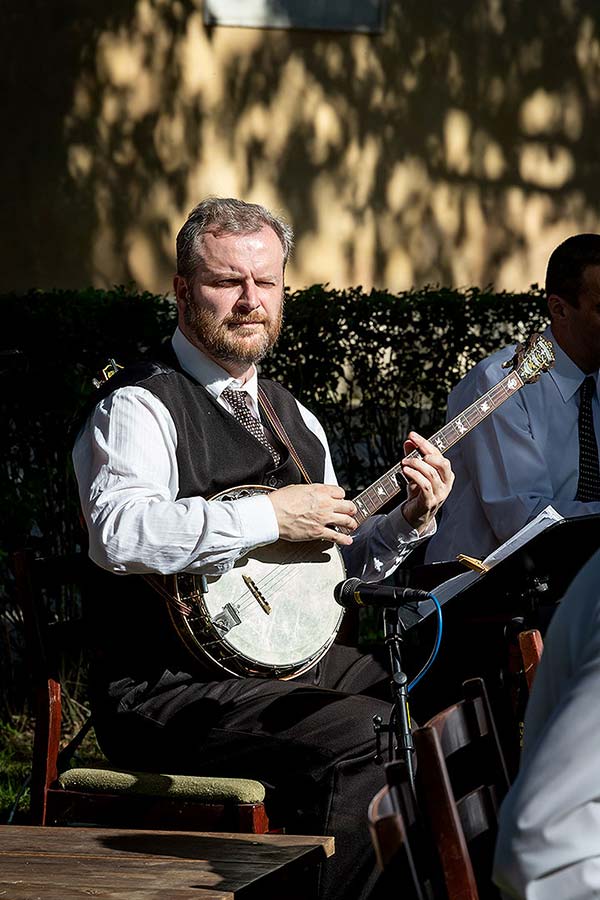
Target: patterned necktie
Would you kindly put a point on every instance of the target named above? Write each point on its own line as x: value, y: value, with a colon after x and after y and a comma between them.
x: 237, y: 401
x: 588, y: 486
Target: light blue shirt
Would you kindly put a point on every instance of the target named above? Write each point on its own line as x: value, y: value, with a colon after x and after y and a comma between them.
x: 549, y: 840
x: 524, y: 456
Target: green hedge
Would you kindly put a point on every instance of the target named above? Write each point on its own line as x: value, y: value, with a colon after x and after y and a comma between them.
x: 369, y: 365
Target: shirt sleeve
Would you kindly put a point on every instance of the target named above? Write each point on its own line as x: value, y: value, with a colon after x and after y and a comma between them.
x: 507, y: 466
x: 126, y: 467
x: 381, y: 544
x: 549, y: 837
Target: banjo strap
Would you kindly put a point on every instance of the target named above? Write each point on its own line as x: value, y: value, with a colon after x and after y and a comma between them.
x: 277, y: 427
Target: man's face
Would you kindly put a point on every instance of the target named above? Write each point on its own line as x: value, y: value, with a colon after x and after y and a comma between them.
x: 233, y: 310
x: 584, y: 321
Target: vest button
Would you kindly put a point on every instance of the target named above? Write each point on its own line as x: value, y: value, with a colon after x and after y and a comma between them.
x: 273, y: 482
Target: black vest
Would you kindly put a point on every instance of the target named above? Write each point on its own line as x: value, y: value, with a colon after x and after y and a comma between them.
x: 214, y: 450
x: 140, y: 664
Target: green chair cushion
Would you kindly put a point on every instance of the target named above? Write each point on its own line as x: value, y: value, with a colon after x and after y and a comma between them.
x: 198, y: 788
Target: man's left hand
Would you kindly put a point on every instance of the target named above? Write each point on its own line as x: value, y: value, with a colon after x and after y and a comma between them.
x: 430, y: 479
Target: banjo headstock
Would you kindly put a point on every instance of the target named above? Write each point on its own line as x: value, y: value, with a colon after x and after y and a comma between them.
x: 110, y: 369
x: 533, y: 357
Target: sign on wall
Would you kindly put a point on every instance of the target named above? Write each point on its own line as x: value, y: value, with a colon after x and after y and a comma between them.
x: 324, y: 15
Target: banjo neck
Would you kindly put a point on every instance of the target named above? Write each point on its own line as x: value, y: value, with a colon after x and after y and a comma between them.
x: 531, y: 360
x: 373, y: 498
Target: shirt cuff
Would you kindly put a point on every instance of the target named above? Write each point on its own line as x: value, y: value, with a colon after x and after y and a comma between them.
x: 257, y: 520
x: 403, y: 530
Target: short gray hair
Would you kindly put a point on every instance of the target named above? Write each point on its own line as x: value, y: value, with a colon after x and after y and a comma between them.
x: 219, y: 215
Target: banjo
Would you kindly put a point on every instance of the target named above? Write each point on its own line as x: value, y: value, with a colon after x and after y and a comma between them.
x: 273, y: 614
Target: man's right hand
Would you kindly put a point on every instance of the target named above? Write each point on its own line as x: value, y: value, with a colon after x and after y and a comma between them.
x: 308, y: 511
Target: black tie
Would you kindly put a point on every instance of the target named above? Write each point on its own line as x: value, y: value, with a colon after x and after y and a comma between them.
x: 237, y: 401
x: 588, y: 486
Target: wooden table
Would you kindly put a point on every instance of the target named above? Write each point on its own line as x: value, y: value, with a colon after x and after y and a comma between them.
x: 119, y: 864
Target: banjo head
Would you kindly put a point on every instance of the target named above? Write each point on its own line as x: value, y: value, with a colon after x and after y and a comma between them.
x: 273, y: 614
x: 283, y: 594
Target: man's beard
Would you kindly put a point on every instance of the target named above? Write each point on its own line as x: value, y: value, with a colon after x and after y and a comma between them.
x: 226, y: 343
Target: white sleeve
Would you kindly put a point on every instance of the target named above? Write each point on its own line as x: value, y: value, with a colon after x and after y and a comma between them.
x: 549, y: 838
x: 126, y: 467
x: 382, y: 542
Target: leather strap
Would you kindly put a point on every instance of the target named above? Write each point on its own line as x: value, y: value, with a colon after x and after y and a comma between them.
x: 279, y: 430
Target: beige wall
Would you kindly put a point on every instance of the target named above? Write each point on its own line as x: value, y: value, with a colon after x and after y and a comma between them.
x: 459, y: 147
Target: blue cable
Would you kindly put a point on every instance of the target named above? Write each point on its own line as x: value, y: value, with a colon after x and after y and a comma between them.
x: 434, y: 652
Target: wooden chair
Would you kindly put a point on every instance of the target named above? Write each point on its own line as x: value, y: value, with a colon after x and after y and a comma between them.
x: 405, y: 854
x: 462, y: 778
x: 391, y: 812
x: 531, y: 645
x: 106, y: 796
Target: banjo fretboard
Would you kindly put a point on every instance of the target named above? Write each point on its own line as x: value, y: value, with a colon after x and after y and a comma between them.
x: 373, y: 498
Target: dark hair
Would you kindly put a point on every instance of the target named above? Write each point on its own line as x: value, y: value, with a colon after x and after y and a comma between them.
x: 568, y: 263
x: 226, y: 216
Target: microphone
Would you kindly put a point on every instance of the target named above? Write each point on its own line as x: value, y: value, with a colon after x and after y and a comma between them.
x: 354, y: 593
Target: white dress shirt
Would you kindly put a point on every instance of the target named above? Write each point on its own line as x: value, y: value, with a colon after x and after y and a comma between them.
x: 126, y: 467
x: 520, y: 459
x: 549, y: 840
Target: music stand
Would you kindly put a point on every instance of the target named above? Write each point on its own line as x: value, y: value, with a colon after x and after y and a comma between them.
x: 478, y: 607
x: 535, y: 575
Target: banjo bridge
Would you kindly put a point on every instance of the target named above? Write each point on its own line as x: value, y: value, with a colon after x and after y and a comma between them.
x: 253, y: 588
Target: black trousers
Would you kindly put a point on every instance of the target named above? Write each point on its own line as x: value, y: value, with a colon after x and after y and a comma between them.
x: 310, y: 739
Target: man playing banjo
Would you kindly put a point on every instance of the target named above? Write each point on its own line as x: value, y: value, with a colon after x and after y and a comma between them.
x: 167, y: 436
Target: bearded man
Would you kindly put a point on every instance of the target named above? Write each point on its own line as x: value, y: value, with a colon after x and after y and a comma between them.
x: 165, y: 437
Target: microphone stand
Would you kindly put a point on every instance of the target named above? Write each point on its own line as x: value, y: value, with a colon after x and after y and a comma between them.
x: 400, y: 729
x: 426, y: 879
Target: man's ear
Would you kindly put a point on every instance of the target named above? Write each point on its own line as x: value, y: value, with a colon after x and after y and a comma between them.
x: 557, y: 307
x: 180, y: 287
